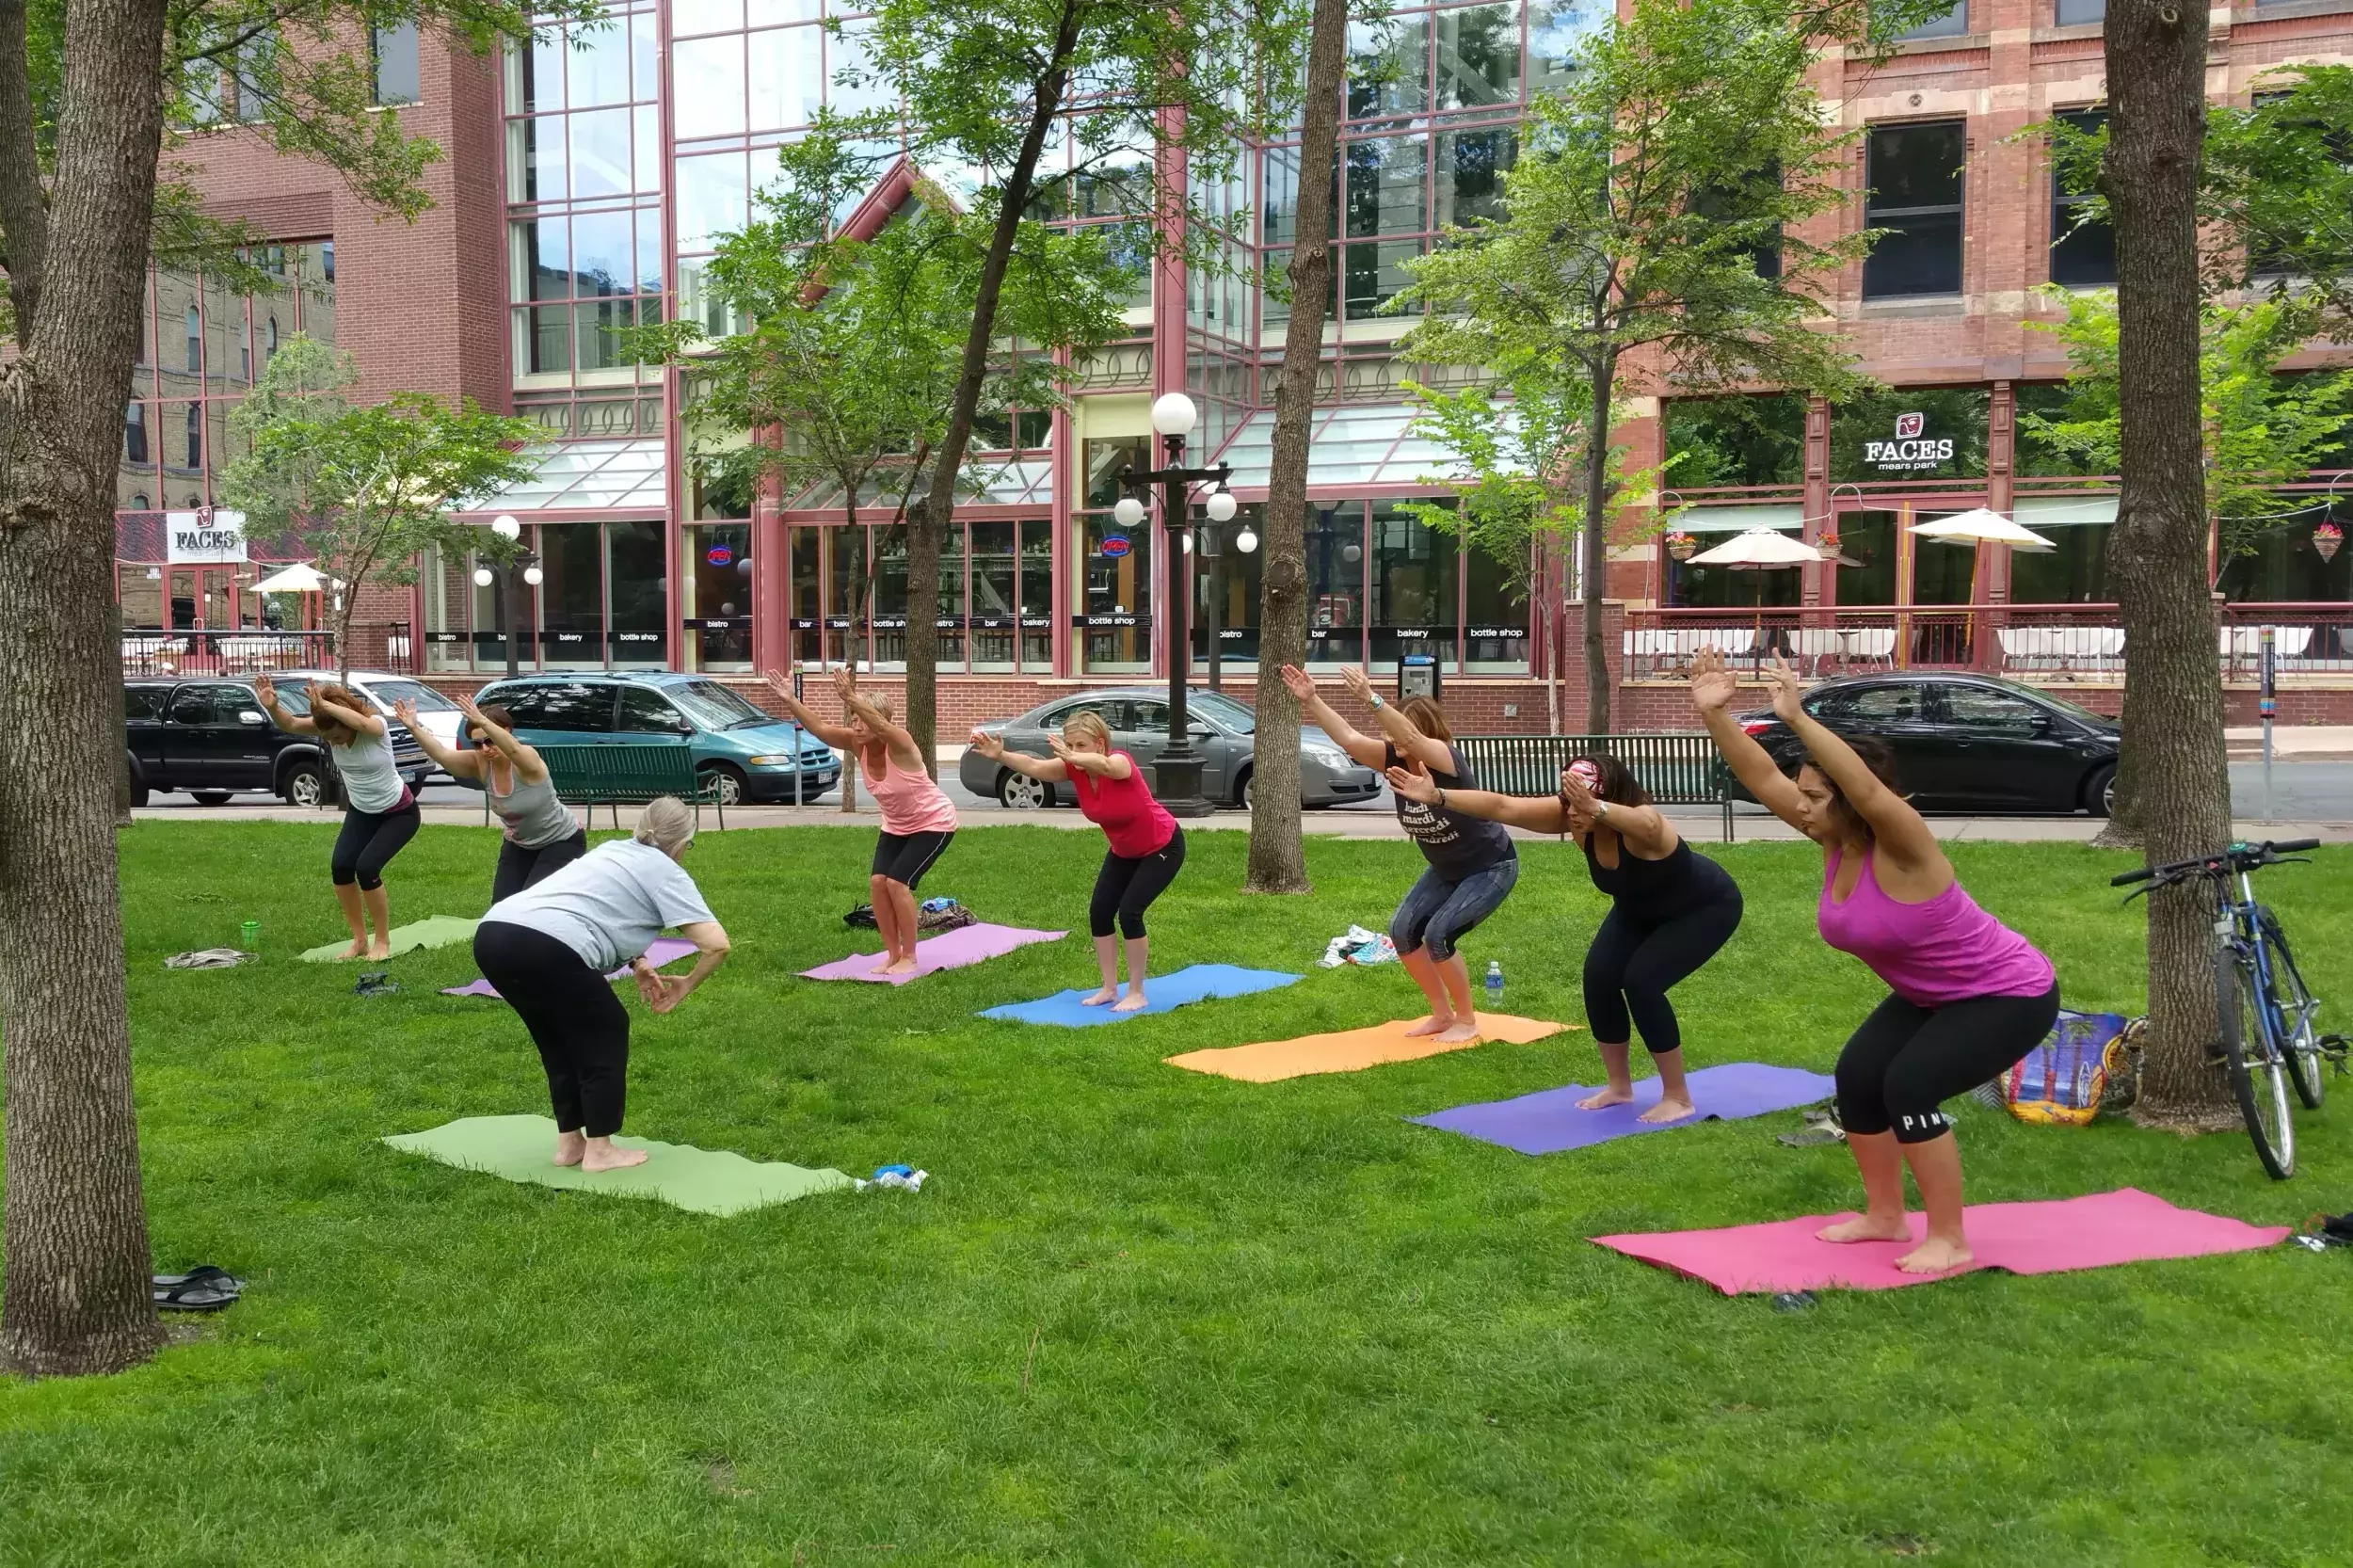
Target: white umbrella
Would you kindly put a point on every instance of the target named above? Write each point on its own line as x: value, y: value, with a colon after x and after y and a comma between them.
x: 1980, y: 526
x: 1758, y: 548
x: 300, y: 578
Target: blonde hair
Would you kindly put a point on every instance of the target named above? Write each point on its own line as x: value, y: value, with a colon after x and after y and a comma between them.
x: 880, y: 702
x: 1088, y: 721
x: 333, y: 730
x: 665, y: 824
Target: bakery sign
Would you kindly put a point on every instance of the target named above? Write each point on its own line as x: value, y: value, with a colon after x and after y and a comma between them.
x: 1910, y: 450
x: 203, y: 538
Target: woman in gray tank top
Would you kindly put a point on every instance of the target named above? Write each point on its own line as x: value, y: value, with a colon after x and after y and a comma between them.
x: 542, y: 835
x: 380, y: 814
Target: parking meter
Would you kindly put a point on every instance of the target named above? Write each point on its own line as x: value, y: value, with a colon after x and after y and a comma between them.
x: 1417, y: 675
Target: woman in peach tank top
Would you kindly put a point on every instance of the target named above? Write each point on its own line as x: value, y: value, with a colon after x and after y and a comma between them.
x: 918, y: 819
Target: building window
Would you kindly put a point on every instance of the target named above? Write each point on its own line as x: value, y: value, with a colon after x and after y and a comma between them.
x: 1915, y: 174
x: 399, y: 78
x: 2079, y: 13
x: 134, y: 433
x: 196, y: 435
x: 1953, y: 23
x: 196, y: 340
x: 2082, y: 255
x: 270, y: 342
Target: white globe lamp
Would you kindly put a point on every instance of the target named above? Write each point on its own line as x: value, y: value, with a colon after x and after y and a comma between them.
x: 1174, y: 414
x: 1245, y: 541
x: 482, y: 577
x: 506, y: 527
x: 534, y: 576
x: 1129, y: 511
x: 1222, y: 505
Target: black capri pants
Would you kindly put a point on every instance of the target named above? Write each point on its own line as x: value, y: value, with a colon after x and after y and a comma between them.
x: 1630, y: 968
x: 1907, y: 1059
x: 903, y: 857
x: 580, y: 1026
x: 521, y: 867
x: 368, y: 842
x: 1125, y: 887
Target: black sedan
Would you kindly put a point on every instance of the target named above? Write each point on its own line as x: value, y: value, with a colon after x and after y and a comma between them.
x: 1966, y: 743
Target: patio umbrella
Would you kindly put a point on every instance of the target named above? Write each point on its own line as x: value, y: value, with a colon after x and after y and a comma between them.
x: 300, y: 578
x: 1980, y: 526
x: 1759, y: 550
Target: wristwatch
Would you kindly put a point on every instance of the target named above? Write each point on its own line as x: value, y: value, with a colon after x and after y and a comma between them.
x: 1377, y: 703
x: 1601, y: 809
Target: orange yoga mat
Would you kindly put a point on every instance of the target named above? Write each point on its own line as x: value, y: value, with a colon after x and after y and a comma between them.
x: 1354, y: 1049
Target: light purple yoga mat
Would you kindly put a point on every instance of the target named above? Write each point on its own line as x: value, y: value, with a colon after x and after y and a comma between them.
x: 663, y: 950
x: 951, y: 951
x: 1548, y: 1121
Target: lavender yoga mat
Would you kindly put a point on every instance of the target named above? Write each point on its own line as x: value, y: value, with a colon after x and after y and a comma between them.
x: 663, y: 950
x: 952, y: 950
x: 2123, y: 1226
x: 1548, y: 1121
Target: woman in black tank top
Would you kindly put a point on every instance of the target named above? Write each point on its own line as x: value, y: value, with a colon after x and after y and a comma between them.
x: 1670, y: 911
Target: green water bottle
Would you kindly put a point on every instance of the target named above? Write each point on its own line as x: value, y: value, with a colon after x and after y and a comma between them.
x: 252, y: 935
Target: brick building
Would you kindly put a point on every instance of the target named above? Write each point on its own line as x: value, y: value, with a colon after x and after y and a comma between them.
x: 584, y: 188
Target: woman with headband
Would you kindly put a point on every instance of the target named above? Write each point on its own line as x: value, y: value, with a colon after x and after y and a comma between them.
x: 1670, y: 910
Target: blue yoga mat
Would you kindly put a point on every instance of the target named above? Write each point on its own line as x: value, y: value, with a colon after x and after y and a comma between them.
x: 1548, y: 1121
x: 1198, y: 983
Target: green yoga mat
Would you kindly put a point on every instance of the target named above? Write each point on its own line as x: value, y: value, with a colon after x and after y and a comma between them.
x: 699, y: 1181
x: 439, y: 931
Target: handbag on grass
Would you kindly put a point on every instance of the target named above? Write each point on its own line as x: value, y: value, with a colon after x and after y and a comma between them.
x: 2062, y: 1081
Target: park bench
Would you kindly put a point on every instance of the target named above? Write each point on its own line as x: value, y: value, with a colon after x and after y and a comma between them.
x: 1678, y: 768
x: 618, y: 776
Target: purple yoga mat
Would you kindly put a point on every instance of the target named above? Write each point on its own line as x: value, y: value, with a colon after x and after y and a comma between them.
x: 952, y: 950
x: 663, y: 950
x: 1548, y: 1121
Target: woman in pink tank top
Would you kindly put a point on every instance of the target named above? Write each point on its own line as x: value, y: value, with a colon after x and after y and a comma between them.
x: 918, y: 817
x: 1967, y: 996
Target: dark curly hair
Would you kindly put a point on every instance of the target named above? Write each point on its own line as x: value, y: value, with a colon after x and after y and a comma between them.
x: 1877, y: 756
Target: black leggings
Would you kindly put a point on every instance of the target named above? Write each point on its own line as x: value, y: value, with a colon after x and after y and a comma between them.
x: 521, y: 867
x: 903, y: 857
x: 1907, y: 1059
x: 1124, y: 888
x: 580, y: 1026
x: 1630, y: 968
x: 368, y: 842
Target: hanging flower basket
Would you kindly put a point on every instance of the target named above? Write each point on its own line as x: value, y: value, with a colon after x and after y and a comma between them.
x: 1682, y: 546
x: 1828, y: 544
x: 2326, y: 537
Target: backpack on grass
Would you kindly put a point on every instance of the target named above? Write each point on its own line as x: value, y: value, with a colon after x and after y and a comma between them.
x: 931, y: 915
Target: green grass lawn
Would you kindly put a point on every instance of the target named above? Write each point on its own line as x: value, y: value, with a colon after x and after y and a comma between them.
x: 1140, y: 1315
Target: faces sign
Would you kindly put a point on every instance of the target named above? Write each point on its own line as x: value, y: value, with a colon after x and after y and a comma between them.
x: 203, y: 538
x: 1909, y: 451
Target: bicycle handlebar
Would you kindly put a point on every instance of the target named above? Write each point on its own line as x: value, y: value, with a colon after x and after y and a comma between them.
x: 2236, y: 857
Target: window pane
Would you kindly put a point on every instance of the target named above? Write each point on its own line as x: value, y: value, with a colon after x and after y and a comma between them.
x: 1495, y: 616
x: 1384, y: 180
x: 705, y: 16
x: 645, y: 57
x: 600, y: 66
x: 541, y: 68
x: 1916, y: 166
x: 542, y: 263
x: 1389, y: 76
x: 1555, y: 28
x: 846, y: 56
x: 600, y: 261
x: 600, y: 153
x: 719, y: 590
x: 549, y: 338
x: 648, y: 273
x: 1479, y: 57
x: 601, y: 326
x: 712, y: 197
x: 1375, y: 275
x: 640, y: 609
x: 1413, y: 587
x: 572, y: 595
x: 1336, y: 582
x: 1980, y: 708
x: 1471, y: 166
x: 645, y: 712
x: 576, y: 707
x: 1953, y: 23
x: 1117, y: 585
x: 787, y: 78
x: 710, y: 91
x: 397, y: 78
x: 1038, y: 631
x: 1915, y: 184
x: 2082, y: 255
x: 534, y: 160
x: 2080, y: 13
x: 1910, y: 433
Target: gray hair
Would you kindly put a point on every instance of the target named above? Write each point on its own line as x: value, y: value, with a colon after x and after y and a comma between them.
x: 665, y: 824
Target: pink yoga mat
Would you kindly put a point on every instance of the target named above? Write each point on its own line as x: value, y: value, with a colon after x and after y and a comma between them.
x: 952, y: 950
x: 662, y: 951
x: 2123, y: 1226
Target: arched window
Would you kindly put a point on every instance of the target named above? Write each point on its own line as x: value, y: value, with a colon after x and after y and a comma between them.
x: 196, y: 340
x: 139, y: 502
x: 134, y: 433
x: 270, y: 342
x: 196, y: 435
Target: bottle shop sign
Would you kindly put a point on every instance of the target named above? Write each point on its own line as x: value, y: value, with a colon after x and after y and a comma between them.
x: 1910, y: 450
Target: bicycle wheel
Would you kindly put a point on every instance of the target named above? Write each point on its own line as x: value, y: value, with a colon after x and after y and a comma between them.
x: 2253, y: 1061
x: 2291, y: 1008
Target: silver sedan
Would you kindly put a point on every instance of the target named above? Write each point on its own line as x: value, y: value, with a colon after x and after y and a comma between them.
x: 1137, y: 717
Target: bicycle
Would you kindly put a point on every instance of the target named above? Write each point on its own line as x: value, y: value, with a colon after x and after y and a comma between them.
x: 2263, y: 1010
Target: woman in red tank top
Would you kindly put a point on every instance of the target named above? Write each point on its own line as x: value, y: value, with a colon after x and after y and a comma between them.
x: 1146, y: 845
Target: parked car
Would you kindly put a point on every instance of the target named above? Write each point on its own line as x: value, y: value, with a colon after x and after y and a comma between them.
x: 751, y: 751
x: 1967, y: 743
x: 1222, y: 730
x: 211, y: 738
x: 439, y: 712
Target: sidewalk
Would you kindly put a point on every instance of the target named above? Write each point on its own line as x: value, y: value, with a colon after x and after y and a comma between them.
x: 2291, y: 743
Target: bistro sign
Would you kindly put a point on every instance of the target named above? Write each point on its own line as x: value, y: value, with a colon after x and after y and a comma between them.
x: 203, y: 538
x: 1909, y: 451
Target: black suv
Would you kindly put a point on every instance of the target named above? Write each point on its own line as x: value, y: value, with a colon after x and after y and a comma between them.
x: 210, y: 738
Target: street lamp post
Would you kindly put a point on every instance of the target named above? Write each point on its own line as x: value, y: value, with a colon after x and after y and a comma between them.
x: 1178, y: 774
x: 522, y: 567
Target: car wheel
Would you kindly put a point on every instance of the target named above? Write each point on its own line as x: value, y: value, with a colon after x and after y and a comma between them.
x: 305, y: 786
x: 210, y: 797
x: 2100, y: 790
x: 1249, y: 791
x: 731, y: 784
x: 1018, y: 792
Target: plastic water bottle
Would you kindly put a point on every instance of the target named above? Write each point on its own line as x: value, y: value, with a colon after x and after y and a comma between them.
x: 1495, y: 985
x: 252, y: 935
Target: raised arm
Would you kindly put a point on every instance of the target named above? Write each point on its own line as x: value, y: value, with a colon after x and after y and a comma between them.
x: 524, y: 760
x: 265, y: 692
x: 1640, y: 827
x: 1899, y: 831
x: 1400, y: 731
x: 835, y: 735
x: 1712, y: 689
x: 1050, y: 769
x: 1103, y: 764
x: 1363, y: 750
x: 1537, y: 814
x: 664, y: 992
x: 896, y: 737
x: 351, y: 718
x: 457, y: 765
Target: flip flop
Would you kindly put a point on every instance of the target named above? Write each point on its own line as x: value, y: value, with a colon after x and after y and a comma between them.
x: 1813, y: 1137
x: 376, y: 983
x: 202, y: 1290
x: 201, y: 1273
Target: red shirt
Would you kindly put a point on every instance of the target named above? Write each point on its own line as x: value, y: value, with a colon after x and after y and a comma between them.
x: 1135, y: 824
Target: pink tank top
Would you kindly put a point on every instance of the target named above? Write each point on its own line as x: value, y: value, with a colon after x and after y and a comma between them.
x: 1135, y: 824
x: 1944, y: 951
x: 910, y: 802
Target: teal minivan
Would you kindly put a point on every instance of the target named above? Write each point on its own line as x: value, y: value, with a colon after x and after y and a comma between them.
x: 751, y: 752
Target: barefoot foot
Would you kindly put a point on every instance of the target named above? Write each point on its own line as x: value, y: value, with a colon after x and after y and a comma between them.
x: 359, y: 948
x: 379, y: 949
x: 1109, y: 993
x: 1667, y: 1110
x: 602, y: 1156
x: 1936, y: 1255
x: 1130, y: 1003
x: 1459, y: 1033
x: 1602, y: 1099
x: 899, y: 965
x: 1866, y: 1228
x: 569, y: 1146
x: 1435, y: 1024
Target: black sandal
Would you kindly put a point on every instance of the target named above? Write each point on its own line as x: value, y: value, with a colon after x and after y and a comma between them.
x: 203, y: 1289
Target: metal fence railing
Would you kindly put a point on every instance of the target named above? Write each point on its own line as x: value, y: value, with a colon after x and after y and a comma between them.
x: 1677, y: 767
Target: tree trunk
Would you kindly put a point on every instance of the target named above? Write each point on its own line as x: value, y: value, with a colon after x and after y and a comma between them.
x: 1596, y: 545
x: 1278, y: 858
x: 939, y: 507
x: 122, y: 753
x: 2172, y: 719
x: 75, y: 1229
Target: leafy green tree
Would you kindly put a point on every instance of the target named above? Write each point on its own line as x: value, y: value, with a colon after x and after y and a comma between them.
x: 94, y: 95
x: 1655, y: 222
x: 367, y: 487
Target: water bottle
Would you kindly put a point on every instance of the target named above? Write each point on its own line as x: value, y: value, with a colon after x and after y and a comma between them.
x: 1495, y: 985
x: 250, y: 934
